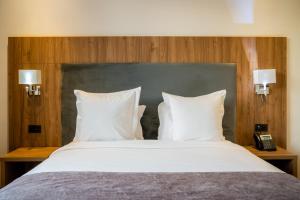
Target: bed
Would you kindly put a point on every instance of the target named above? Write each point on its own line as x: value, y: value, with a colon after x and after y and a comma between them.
x: 151, y: 168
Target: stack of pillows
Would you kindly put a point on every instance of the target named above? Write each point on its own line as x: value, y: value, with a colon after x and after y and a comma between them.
x: 116, y: 116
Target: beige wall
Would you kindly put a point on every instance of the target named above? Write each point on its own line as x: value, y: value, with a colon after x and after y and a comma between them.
x: 156, y: 17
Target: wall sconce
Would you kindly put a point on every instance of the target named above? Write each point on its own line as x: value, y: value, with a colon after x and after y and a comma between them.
x: 32, y: 79
x: 262, y: 78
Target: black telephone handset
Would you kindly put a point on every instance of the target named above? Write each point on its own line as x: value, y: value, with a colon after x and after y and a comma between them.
x: 263, y: 141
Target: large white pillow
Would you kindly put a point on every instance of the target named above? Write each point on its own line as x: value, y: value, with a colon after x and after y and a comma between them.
x: 197, y: 117
x: 106, y: 116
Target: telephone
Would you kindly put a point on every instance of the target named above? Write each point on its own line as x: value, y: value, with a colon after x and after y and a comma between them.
x: 263, y: 141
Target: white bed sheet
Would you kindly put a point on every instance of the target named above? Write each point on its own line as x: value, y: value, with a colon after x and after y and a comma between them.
x: 153, y: 156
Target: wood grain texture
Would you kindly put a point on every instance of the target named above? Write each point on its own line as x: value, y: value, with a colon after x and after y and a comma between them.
x: 48, y: 53
x: 279, y: 154
x: 280, y: 158
x: 29, y: 154
x: 16, y: 163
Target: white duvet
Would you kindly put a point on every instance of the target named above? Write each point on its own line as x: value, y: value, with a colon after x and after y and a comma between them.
x: 153, y: 156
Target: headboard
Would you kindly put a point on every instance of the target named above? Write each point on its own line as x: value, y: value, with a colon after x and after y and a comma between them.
x: 178, y: 79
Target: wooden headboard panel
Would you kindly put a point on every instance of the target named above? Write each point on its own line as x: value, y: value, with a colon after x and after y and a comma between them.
x: 48, y: 53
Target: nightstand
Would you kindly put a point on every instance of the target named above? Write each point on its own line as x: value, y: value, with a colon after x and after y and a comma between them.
x: 280, y: 158
x: 16, y: 163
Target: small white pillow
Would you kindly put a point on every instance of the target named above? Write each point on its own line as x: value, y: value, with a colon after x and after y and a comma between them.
x: 139, y: 129
x: 197, y: 117
x: 106, y: 116
x: 165, y: 131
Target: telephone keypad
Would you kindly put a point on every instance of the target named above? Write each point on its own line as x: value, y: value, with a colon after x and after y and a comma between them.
x: 268, y: 145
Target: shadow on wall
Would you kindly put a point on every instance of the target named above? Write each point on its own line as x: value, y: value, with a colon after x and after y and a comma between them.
x: 242, y: 12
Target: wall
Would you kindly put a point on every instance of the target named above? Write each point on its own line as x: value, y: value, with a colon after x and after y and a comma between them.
x: 156, y: 17
x: 48, y: 53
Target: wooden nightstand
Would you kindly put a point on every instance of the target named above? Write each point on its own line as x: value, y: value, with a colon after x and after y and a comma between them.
x: 16, y: 163
x: 280, y: 158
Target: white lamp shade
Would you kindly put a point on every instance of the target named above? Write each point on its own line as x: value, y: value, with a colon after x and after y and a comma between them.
x: 30, y: 77
x: 264, y: 76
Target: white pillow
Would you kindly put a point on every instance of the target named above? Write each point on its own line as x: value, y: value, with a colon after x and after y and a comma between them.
x: 139, y: 129
x: 197, y: 117
x: 106, y: 116
x: 165, y: 130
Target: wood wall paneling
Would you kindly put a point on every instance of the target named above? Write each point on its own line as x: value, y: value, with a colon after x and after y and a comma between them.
x: 48, y: 53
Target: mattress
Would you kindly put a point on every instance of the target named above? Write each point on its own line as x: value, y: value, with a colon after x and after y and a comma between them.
x: 150, y: 169
x: 154, y: 156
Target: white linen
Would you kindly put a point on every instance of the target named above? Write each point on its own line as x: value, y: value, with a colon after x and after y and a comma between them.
x: 139, y: 129
x: 153, y: 156
x: 197, y: 118
x: 165, y: 131
x: 106, y: 116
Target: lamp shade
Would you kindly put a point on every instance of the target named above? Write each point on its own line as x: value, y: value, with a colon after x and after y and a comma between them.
x: 264, y: 76
x: 30, y: 77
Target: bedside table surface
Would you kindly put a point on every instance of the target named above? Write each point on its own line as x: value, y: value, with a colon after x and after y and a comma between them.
x: 280, y: 153
x: 29, y: 153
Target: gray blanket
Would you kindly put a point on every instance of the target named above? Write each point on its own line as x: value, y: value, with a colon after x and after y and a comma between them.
x: 96, y: 185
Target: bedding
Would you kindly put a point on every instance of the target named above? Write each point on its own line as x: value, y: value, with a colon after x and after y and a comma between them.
x: 153, y: 156
x: 107, y: 116
x: 196, y: 117
x: 165, y: 123
x: 153, y: 170
x: 139, y: 129
x: 138, y: 186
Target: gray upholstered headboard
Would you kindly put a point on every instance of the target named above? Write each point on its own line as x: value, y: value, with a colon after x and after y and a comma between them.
x: 179, y: 79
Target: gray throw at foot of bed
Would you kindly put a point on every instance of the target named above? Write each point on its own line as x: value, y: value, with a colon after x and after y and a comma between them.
x: 96, y: 185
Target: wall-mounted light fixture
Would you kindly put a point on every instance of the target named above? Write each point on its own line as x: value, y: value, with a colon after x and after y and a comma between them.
x: 262, y: 78
x: 32, y: 80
